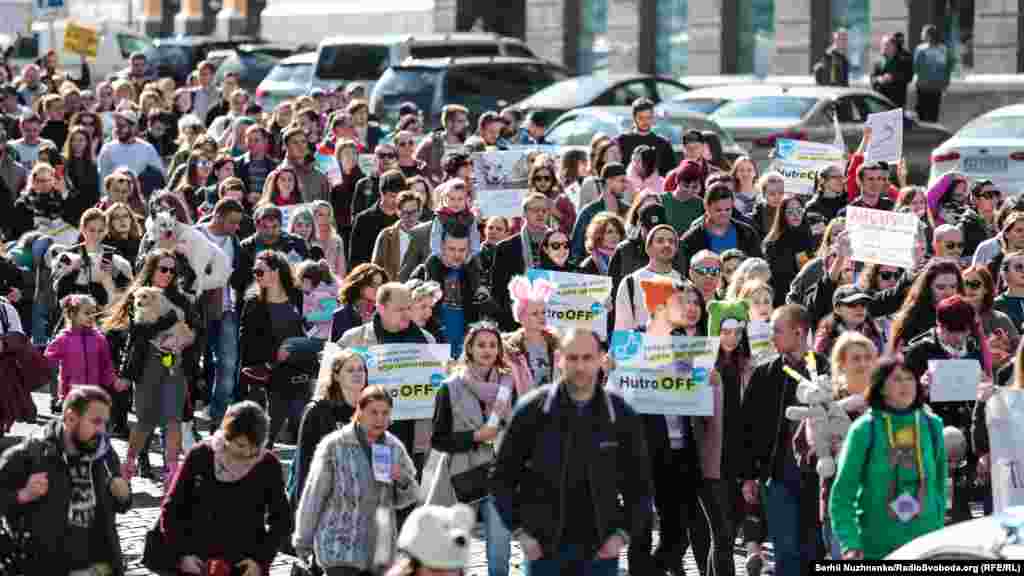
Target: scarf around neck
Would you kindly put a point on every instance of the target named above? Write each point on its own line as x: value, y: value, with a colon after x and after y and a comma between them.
x: 225, y: 468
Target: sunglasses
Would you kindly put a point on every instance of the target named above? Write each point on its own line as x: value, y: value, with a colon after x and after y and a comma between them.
x: 386, y: 156
x: 707, y: 270
x: 558, y: 245
x: 203, y: 164
x: 954, y: 245
x: 973, y: 284
x: 990, y: 194
x: 165, y: 269
x: 888, y: 275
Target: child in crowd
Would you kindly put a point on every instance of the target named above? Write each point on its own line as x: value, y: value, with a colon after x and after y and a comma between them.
x: 81, y: 351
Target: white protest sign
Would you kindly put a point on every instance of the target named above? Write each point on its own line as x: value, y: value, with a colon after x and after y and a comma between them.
x: 954, y: 380
x: 759, y: 335
x: 882, y: 236
x: 1004, y: 413
x: 668, y: 375
x: 886, y: 143
x: 330, y: 167
x: 382, y: 463
x: 799, y: 162
x: 497, y: 173
x: 579, y: 300
x: 412, y: 373
x: 507, y: 203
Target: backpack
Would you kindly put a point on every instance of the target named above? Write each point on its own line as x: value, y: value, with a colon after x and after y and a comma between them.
x: 871, y: 444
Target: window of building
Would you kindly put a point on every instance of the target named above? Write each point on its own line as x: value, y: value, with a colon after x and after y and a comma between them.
x: 592, y: 48
x: 672, y: 38
x: 755, y: 36
x: 855, y: 16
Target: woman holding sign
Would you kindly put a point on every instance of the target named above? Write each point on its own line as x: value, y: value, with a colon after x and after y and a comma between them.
x: 470, y: 411
x: 359, y: 476
x: 889, y: 488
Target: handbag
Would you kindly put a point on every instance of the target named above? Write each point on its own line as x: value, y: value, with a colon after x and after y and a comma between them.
x: 157, y: 555
x: 472, y: 485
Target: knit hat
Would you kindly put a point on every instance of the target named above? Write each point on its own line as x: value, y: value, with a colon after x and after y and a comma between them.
x: 438, y: 537
x: 612, y: 169
x: 727, y: 314
x: 652, y: 215
x: 657, y: 228
x: 955, y: 314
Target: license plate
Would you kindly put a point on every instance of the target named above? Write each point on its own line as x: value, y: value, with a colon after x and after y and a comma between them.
x: 984, y: 164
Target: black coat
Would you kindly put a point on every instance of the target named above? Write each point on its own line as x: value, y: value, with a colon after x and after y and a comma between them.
x: 509, y: 262
x: 628, y: 141
x: 365, y: 229
x: 473, y: 300
x: 256, y: 342
x: 696, y: 239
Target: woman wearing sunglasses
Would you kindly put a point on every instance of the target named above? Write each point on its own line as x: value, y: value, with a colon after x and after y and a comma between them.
x: 1003, y: 336
x: 543, y: 180
x: 554, y: 254
x: 788, y: 246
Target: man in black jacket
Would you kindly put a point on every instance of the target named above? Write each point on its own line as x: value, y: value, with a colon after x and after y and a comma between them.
x: 67, y: 484
x: 790, y: 493
x: 366, y: 191
x: 366, y: 225
x: 834, y: 69
x: 515, y: 254
x: 643, y: 123
x: 717, y: 230
x: 888, y: 76
x: 570, y: 450
x: 268, y: 236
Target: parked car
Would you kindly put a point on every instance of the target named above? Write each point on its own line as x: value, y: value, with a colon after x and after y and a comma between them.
x: 478, y: 83
x: 252, y: 62
x: 576, y: 127
x: 290, y: 78
x: 993, y: 538
x: 116, y: 44
x: 176, y: 57
x: 759, y: 114
x: 990, y: 146
x: 599, y: 90
x: 344, y: 59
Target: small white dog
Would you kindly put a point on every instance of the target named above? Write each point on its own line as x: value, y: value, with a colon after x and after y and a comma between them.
x: 210, y: 263
x: 150, y: 306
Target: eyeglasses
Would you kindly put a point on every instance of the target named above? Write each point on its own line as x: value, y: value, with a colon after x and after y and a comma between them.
x: 385, y: 156
x: 558, y: 245
x: 707, y: 270
x: 973, y: 284
x: 165, y: 269
x: 954, y: 245
x: 888, y: 275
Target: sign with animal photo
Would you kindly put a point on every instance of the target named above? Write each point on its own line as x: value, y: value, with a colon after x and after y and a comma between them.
x: 412, y: 374
x: 1004, y: 412
x: 882, y: 236
x: 668, y: 375
x: 500, y: 182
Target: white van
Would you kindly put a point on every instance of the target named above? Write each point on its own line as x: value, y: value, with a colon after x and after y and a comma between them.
x: 116, y: 44
x: 353, y: 58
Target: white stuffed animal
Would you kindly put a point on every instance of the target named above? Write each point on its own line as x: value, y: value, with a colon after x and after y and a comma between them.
x: 827, y: 419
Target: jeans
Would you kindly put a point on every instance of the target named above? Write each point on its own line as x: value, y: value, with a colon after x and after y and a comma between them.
x: 795, y: 544
x: 40, y: 309
x: 222, y: 370
x: 719, y: 498
x: 570, y: 562
x: 831, y: 542
x: 499, y: 539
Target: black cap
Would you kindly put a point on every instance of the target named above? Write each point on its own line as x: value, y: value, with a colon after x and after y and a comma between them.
x: 392, y: 181
x: 693, y: 137
x: 651, y: 216
x: 612, y: 169
x: 850, y: 294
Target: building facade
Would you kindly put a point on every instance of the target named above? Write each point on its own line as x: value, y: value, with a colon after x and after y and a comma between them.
x: 758, y: 37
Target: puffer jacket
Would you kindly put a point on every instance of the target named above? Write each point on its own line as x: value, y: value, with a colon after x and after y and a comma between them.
x: 336, y: 514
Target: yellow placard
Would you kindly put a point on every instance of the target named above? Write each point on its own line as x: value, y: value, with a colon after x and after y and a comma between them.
x: 79, y: 39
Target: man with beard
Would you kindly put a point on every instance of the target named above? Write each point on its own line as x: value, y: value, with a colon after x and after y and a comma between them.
x: 67, y: 484
x: 365, y: 194
x: 613, y: 178
x: 717, y: 230
x: 488, y: 131
x: 269, y: 236
x: 127, y: 150
x: 455, y: 127
x: 642, y: 133
x: 661, y: 243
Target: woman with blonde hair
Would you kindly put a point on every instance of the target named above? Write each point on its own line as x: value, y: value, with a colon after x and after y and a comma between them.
x: 325, y: 237
x: 342, y: 377
x: 759, y: 294
x: 771, y: 188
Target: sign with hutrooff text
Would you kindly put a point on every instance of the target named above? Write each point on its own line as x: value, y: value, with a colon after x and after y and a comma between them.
x: 668, y: 375
x: 882, y: 236
x: 579, y: 300
x: 799, y: 162
x: 412, y: 374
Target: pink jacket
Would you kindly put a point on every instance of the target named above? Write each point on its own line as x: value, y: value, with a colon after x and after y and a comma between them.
x: 83, y: 355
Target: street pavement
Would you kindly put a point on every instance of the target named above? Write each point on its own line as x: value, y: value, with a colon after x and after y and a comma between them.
x: 133, y: 525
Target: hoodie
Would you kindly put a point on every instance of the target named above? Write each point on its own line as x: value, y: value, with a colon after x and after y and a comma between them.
x: 83, y: 355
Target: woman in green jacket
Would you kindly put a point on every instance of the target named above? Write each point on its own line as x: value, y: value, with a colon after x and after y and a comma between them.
x: 889, y: 488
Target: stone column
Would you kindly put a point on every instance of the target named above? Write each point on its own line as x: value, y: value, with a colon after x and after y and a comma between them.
x: 623, y: 35
x: 445, y: 15
x: 233, y: 18
x: 705, y: 47
x: 793, y: 37
x: 546, y: 29
x: 996, y: 37
x: 152, y: 19
x: 189, y: 19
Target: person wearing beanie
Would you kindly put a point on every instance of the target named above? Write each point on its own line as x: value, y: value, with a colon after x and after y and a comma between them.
x: 683, y: 203
x: 612, y: 186
x: 369, y: 223
x: 718, y: 230
x: 661, y: 244
x: 434, y: 541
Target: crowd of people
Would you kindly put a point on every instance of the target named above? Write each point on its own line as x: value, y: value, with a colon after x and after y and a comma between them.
x: 179, y: 250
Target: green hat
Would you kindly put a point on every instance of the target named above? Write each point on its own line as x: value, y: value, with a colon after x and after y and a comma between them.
x: 721, y: 311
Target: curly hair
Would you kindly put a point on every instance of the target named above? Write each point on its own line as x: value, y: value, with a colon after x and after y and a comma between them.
x: 360, y: 277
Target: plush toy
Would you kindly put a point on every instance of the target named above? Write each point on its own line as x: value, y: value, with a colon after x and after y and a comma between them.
x: 720, y: 312
x: 827, y: 419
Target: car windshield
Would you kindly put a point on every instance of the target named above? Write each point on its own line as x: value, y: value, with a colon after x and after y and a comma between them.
x: 765, y: 107
x: 353, y: 61
x: 699, y: 105
x: 994, y: 127
x: 398, y: 85
x: 297, y: 73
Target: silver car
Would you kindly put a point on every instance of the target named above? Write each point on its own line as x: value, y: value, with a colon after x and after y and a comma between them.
x: 993, y: 538
x: 759, y: 114
x: 291, y: 77
x: 575, y: 128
